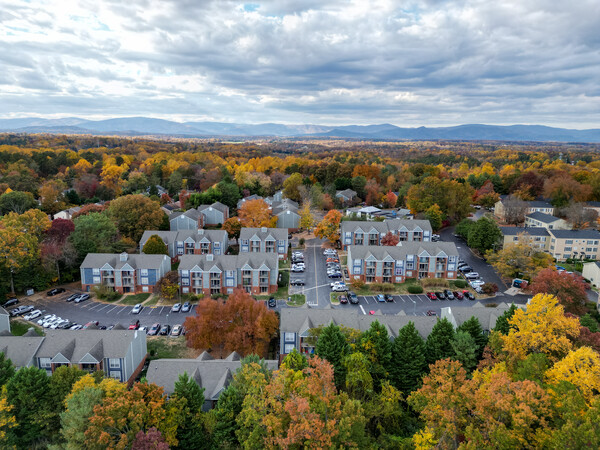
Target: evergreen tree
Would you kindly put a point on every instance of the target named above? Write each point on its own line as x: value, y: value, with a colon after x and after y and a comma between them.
x: 473, y: 327
x: 61, y: 383
x: 29, y: 392
x: 75, y: 419
x: 408, y: 359
x: 191, y: 433
x: 224, y: 416
x: 7, y: 370
x: 438, y: 345
x: 295, y: 361
x: 333, y: 347
x: 502, y: 325
x: 375, y: 344
x: 465, y: 350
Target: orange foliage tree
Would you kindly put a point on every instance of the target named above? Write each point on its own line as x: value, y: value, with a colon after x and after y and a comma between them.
x: 329, y: 227
x: 390, y: 239
x: 241, y: 324
x: 568, y: 288
x: 256, y: 213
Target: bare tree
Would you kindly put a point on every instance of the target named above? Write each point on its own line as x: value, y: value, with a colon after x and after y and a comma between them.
x: 579, y: 216
x: 514, y: 210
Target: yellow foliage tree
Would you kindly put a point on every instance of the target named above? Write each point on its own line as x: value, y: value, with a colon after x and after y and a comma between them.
x: 542, y: 328
x: 306, y: 218
x: 581, y: 368
x: 256, y: 213
x: 7, y: 418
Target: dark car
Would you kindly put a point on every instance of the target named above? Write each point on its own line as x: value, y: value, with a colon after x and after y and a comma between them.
x: 297, y: 282
x: 153, y: 331
x: 469, y: 295
x: 431, y: 296
x: 10, y: 302
x: 134, y: 325
x: 449, y: 295
x: 335, y: 275
x: 72, y: 297
x: 165, y: 330
x: 343, y: 299
x: 388, y: 297
x: 187, y: 306
x: 431, y: 312
x: 353, y: 298
x: 55, y: 291
x: 272, y: 302
x: 440, y: 296
x: 458, y: 295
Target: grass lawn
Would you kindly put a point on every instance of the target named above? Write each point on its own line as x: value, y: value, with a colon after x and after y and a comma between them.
x: 18, y: 327
x: 135, y: 299
x: 169, y: 347
x: 284, y: 264
x: 153, y: 301
x: 297, y: 300
x: 334, y: 297
x: 282, y: 292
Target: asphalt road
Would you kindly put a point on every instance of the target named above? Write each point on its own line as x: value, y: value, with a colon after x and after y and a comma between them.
x: 317, y: 284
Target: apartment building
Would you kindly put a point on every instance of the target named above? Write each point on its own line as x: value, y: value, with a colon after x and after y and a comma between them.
x: 123, y: 272
x: 530, y: 207
x: 204, y: 215
x: 384, y: 264
x: 264, y: 240
x: 256, y: 273
x: 190, y: 242
x: 536, y: 237
x: 543, y: 220
x: 371, y: 233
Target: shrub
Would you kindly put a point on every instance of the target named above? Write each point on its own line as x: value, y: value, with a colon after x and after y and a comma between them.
x: 106, y: 293
x: 414, y: 289
x: 301, y: 242
x: 191, y: 297
x: 427, y: 282
x: 284, y: 278
x: 461, y: 284
x: 490, y: 288
x: 357, y: 284
x: 382, y: 287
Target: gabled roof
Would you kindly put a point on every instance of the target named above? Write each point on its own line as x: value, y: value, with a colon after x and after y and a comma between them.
x: 587, y: 233
x: 399, y: 252
x: 487, y: 316
x: 389, y: 225
x: 542, y: 217
x: 229, y: 262
x: 531, y: 231
x: 264, y: 233
x: 192, y: 214
x: 136, y: 261
x: 216, y: 205
x: 20, y: 349
x: 348, y: 193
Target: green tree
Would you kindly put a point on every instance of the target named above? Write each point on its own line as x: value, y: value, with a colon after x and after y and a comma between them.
x: 295, y: 361
x: 29, y: 392
x: 135, y: 213
x: 61, y: 383
x: 359, y: 382
x: 586, y: 321
x: 464, y: 227
x: 75, y: 419
x: 358, y: 184
x: 375, y: 344
x: 94, y: 233
x: 17, y: 202
x: 473, y: 327
x: 484, y: 234
x: 155, y: 246
x: 465, y: 350
x: 438, y: 345
x: 408, y: 363
x: 230, y: 193
x: 333, y: 347
x: 175, y: 183
x: 290, y: 187
x: 502, y: 323
x: 435, y: 216
x: 7, y: 370
x: 191, y: 434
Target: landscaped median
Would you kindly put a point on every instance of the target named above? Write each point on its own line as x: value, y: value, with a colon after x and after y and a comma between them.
x: 296, y: 300
x: 410, y: 286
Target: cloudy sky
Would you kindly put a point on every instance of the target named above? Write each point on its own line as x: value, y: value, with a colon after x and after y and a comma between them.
x: 410, y: 63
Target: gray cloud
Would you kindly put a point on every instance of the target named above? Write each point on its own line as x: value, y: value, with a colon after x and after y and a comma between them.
x: 408, y: 63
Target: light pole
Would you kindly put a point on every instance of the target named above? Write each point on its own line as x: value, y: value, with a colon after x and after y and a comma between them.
x: 414, y: 307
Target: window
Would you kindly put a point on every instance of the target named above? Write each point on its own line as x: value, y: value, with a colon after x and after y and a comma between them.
x: 185, y: 273
x: 567, y: 249
x: 185, y: 290
x: 96, y: 280
x: 185, y: 281
x: 144, y: 280
x: 114, y: 374
x: 45, y: 363
x: 289, y: 337
x: 145, y: 289
x: 289, y: 348
x: 229, y: 282
x: 96, y: 271
x: 114, y: 363
x: 569, y: 241
x: 144, y: 272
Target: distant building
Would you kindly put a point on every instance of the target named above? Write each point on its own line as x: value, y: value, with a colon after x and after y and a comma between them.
x: 591, y: 271
x: 530, y: 207
x: 346, y: 196
x: 195, y: 218
x: 67, y: 213
x: 536, y: 237
x: 539, y: 219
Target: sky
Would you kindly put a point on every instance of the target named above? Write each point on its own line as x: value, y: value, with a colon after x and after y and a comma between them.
x: 333, y: 62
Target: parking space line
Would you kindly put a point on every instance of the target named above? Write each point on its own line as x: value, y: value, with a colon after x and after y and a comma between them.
x: 111, y: 309
x: 363, y: 310
x: 366, y: 299
x: 122, y: 309
x: 103, y: 307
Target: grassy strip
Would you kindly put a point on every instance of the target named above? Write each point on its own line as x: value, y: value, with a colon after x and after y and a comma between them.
x: 18, y: 327
x: 135, y: 299
x: 282, y: 292
x: 166, y: 347
x: 297, y: 300
x: 334, y: 298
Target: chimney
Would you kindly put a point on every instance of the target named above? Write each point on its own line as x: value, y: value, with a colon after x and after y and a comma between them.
x: 210, y: 257
x: 123, y: 257
x: 263, y: 229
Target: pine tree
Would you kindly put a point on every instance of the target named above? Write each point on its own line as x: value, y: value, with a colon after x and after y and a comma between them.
x: 502, y: 325
x: 7, y: 370
x: 473, y: 327
x: 438, y: 345
x: 333, y: 347
x: 408, y: 359
x: 375, y: 344
x: 465, y: 350
x: 191, y: 434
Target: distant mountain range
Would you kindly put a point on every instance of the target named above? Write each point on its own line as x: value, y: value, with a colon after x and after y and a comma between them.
x: 132, y: 126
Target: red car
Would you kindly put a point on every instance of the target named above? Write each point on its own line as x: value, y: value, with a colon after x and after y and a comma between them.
x: 134, y: 325
x: 343, y: 299
x: 459, y: 295
x: 431, y: 296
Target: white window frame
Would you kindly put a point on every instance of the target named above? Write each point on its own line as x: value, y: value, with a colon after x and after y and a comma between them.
x: 112, y: 364
x: 143, y: 272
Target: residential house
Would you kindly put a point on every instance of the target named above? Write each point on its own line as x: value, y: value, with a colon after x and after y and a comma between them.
x: 487, y: 316
x: 531, y: 207
x: 577, y: 244
x: 287, y: 214
x: 213, y: 215
x: 119, y: 354
x: 123, y: 272
x: 540, y: 219
x: 195, y: 218
x: 295, y: 325
x: 370, y: 233
x: 269, y: 240
x: 276, y: 197
x: 247, y: 199
x: 385, y: 264
x: 190, y: 242
x: 21, y: 350
x: 256, y: 273
x: 4, y: 320
x: 591, y: 271
x: 346, y: 196
x: 212, y: 375
x: 67, y: 213
x: 595, y: 206
x: 537, y: 237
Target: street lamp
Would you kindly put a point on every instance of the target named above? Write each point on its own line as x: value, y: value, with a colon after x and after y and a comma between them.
x: 414, y: 307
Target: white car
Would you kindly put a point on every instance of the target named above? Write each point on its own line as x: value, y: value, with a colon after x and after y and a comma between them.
x: 56, y: 324
x: 49, y: 323
x: 137, y: 309
x: 32, y: 315
x: 76, y: 327
x: 45, y: 318
x: 472, y: 276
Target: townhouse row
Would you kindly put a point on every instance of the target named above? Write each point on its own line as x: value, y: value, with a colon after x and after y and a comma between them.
x: 372, y: 233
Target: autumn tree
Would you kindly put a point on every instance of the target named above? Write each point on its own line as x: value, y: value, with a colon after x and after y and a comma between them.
x: 390, y: 239
x: 541, y: 328
x: 435, y: 216
x: 358, y: 382
x: 333, y: 347
x: 373, y: 196
x: 256, y: 213
x: 579, y: 216
x: 150, y: 440
x: 306, y: 218
x: 60, y: 230
x: 514, y: 210
x: 581, y: 368
x: 155, y: 246
x: 291, y: 185
x: 329, y: 227
x: 519, y: 260
x: 562, y: 189
x: 88, y: 209
x: 241, y: 324
x: 453, y: 198
x: 233, y: 226
x: 133, y: 214
x: 51, y: 196
x: 390, y: 199
x: 486, y: 195
x: 168, y: 285
x: 17, y: 202
x: 569, y: 289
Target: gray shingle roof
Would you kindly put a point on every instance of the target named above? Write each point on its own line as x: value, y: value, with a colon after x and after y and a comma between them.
x: 211, y: 374
x: 531, y: 231
x: 399, y: 252
x: 299, y: 320
x: 170, y: 237
x: 348, y: 193
x: 229, y: 262
x: 216, y: 205
x: 575, y: 234
x: 141, y: 261
x: 386, y: 225
x: 264, y: 233
x: 193, y: 214
x: 20, y: 349
x: 542, y: 217
x: 487, y: 316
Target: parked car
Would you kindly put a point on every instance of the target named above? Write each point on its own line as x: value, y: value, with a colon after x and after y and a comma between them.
x: 469, y: 295
x: 137, y: 309
x: 343, y: 299
x: 476, y: 283
x: 297, y: 282
x: 388, y: 297
x: 380, y: 298
x: 72, y: 297
x: 465, y: 269
x: 176, y: 307
x: 431, y: 312
x: 165, y: 330
x: 449, y: 295
x: 296, y: 268
x: 19, y: 310
x: 43, y: 319
x: 458, y: 295
x: 187, y: 307
x: 431, y: 296
x: 134, y: 325
x: 440, y: 296
x: 10, y: 302
x: 272, y: 302
x: 435, y: 237
x: 335, y: 275
x: 371, y: 312
x: 176, y: 331
x: 55, y: 291
x: 82, y: 298
x: 153, y: 331
x: 352, y: 297
x: 340, y: 288
x: 76, y: 327
x: 472, y: 276
x: 32, y: 315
